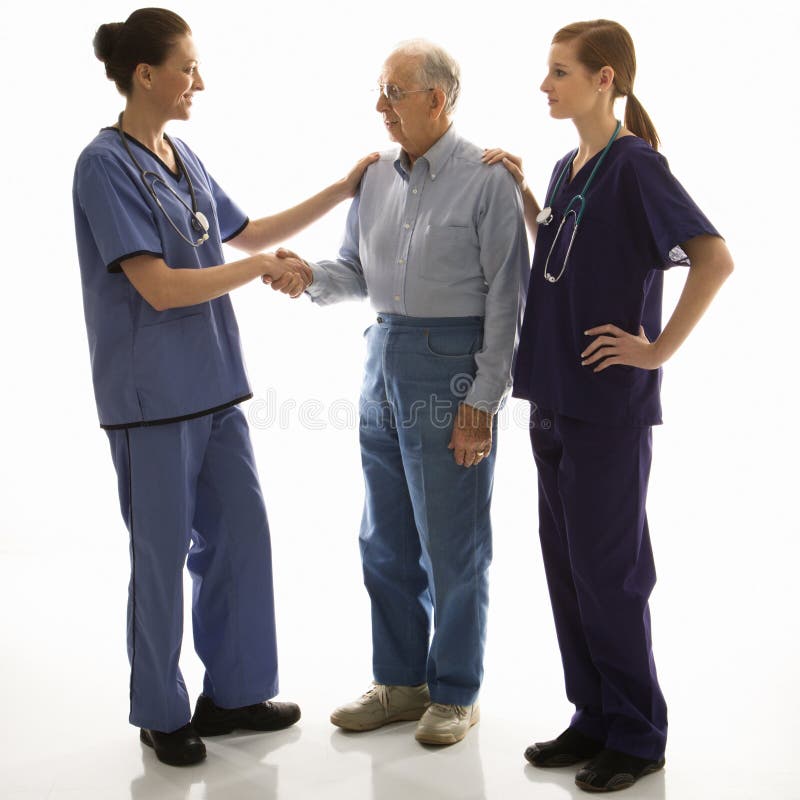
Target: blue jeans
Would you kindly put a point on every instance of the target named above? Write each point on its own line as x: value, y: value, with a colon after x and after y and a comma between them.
x: 425, y: 536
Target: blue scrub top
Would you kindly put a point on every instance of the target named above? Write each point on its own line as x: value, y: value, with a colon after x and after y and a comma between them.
x: 637, y: 215
x: 151, y: 367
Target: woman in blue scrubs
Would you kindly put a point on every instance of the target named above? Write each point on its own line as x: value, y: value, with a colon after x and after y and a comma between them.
x: 168, y: 377
x: 589, y: 359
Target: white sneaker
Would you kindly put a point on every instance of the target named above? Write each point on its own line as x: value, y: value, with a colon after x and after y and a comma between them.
x: 449, y: 724
x: 382, y: 704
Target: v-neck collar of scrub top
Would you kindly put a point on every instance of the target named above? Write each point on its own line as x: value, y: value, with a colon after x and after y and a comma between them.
x: 176, y: 175
x: 436, y: 156
x: 590, y: 163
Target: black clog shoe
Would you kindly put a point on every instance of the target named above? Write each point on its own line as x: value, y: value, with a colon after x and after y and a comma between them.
x: 611, y: 771
x: 211, y: 720
x: 179, y: 748
x: 571, y: 747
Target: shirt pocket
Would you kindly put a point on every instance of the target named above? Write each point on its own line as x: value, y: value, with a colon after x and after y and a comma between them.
x: 449, y: 253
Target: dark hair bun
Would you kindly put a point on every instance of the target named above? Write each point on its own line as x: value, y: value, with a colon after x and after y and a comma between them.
x: 105, y: 40
x: 146, y: 37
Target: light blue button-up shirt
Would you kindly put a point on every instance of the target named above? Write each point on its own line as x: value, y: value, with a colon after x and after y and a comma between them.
x: 444, y: 238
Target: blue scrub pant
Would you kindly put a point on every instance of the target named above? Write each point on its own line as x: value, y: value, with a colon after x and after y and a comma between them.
x: 192, y: 488
x: 600, y: 573
x: 425, y: 535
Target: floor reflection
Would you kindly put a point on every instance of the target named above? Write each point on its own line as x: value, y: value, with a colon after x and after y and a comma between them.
x: 652, y: 787
x: 236, y: 769
x: 400, y: 767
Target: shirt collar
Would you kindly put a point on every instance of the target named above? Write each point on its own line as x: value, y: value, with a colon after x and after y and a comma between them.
x: 436, y: 156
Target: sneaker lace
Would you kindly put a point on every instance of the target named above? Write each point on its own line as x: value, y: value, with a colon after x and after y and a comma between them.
x: 447, y: 709
x: 379, y: 690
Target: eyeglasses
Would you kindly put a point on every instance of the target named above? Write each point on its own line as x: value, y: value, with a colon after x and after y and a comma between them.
x: 394, y: 94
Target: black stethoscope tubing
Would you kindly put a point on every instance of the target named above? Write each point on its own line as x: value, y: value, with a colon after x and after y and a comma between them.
x: 149, y: 178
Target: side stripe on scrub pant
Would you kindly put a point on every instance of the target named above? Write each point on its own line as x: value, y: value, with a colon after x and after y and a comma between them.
x: 191, y: 488
x: 600, y: 573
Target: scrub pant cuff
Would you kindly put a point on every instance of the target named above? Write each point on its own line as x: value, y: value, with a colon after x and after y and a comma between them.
x: 153, y: 724
x: 452, y: 695
x: 593, y: 727
x: 248, y: 698
x: 638, y: 749
x: 391, y: 676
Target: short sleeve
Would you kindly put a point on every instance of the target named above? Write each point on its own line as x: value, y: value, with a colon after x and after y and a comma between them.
x: 119, y: 218
x: 668, y: 214
x: 232, y: 220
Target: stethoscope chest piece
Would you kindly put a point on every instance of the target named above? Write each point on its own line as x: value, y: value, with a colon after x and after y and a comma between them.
x: 545, y: 216
x: 201, y: 226
x: 200, y: 222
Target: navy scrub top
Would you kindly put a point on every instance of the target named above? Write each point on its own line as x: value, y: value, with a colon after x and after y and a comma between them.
x: 148, y: 366
x: 637, y: 214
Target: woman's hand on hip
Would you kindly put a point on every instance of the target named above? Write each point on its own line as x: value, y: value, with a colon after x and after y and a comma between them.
x: 613, y: 345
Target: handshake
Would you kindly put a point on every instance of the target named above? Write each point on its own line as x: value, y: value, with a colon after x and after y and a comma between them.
x: 286, y: 272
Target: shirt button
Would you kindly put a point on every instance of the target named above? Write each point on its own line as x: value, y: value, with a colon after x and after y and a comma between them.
x: 401, y: 261
x: 397, y: 297
x: 414, y: 190
x: 433, y: 176
x: 406, y: 226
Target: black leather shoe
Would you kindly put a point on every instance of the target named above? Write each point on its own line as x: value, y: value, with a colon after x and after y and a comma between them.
x: 211, y: 720
x: 611, y: 771
x: 178, y: 749
x: 569, y: 748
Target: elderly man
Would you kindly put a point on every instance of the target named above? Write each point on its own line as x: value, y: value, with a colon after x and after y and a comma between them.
x: 437, y: 241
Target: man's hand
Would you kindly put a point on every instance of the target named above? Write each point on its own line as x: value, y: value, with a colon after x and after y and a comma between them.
x: 471, y: 440
x: 287, y: 273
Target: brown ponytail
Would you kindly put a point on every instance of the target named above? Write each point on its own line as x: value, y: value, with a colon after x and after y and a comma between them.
x: 638, y: 121
x: 604, y: 43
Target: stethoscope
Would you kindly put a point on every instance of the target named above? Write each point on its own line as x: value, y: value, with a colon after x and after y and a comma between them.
x: 198, y: 219
x: 545, y: 216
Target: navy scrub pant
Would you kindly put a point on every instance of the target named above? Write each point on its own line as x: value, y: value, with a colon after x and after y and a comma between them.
x: 600, y: 573
x: 191, y: 488
x: 425, y: 535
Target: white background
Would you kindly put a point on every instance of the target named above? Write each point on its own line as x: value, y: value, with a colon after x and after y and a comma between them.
x: 287, y: 109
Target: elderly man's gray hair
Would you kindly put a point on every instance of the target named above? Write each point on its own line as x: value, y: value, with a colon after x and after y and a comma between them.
x: 437, y: 68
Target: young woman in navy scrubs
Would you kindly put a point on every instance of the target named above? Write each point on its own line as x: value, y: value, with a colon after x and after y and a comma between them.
x: 168, y: 376
x: 589, y: 360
